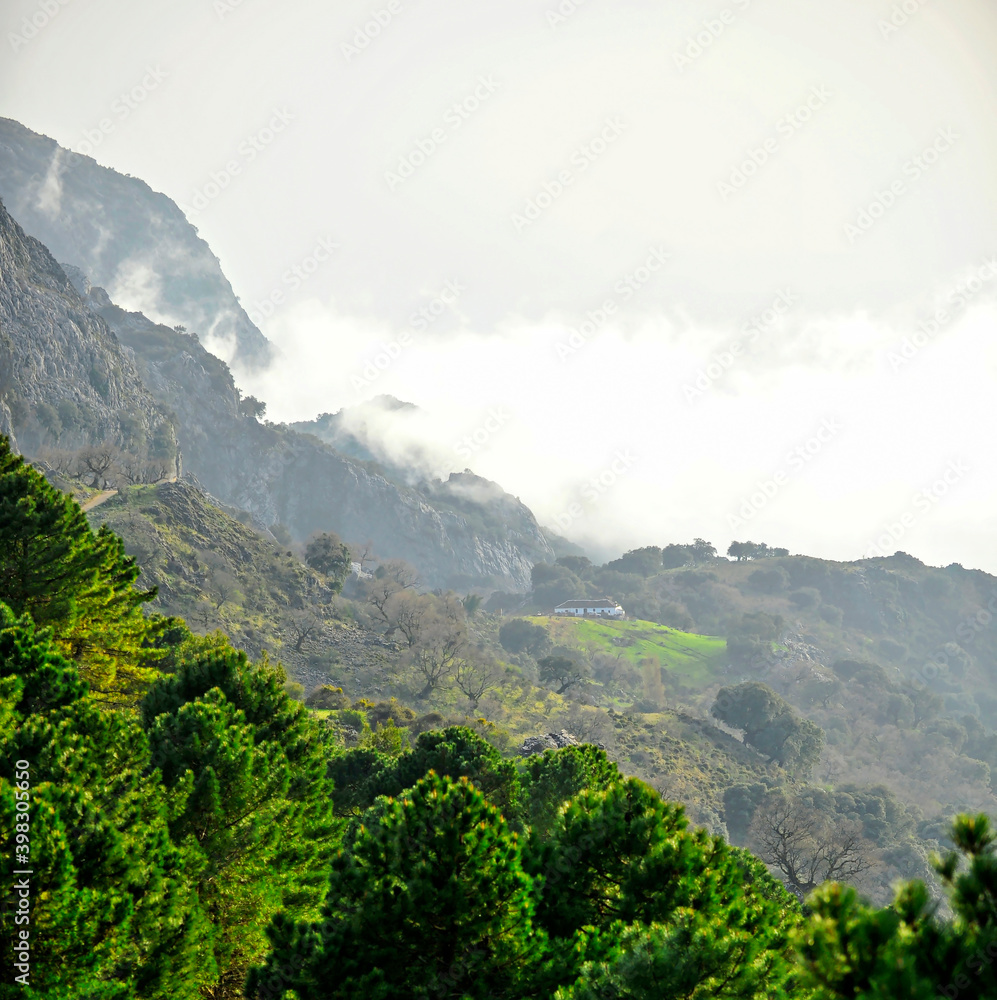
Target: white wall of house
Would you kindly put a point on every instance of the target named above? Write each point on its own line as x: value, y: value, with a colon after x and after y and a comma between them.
x: 615, y: 611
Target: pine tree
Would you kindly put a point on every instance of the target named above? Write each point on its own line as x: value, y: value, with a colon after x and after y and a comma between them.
x: 112, y: 913
x: 250, y: 765
x: 429, y: 899
x: 851, y: 949
x: 80, y: 583
x: 353, y: 774
x: 623, y: 856
x: 452, y: 752
x: 688, y: 958
x: 551, y: 778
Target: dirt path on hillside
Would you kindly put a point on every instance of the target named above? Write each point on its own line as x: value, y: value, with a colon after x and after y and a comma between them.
x: 96, y: 501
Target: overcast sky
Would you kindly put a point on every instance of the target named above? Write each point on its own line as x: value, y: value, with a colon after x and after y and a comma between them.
x: 667, y: 254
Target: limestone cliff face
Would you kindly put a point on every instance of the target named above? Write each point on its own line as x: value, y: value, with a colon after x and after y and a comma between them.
x: 7, y: 426
x: 64, y: 379
x: 128, y: 239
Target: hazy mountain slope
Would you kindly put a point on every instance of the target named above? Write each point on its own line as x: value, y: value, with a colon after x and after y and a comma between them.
x: 217, y: 572
x: 113, y: 228
x: 281, y: 476
x: 364, y: 432
x: 894, y: 660
x: 126, y: 237
x: 915, y: 620
x: 64, y: 378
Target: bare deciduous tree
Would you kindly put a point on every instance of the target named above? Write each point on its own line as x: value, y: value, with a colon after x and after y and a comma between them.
x: 304, y: 625
x: 362, y: 552
x: 97, y: 460
x: 130, y: 469
x: 398, y: 609
x: 202, y: 613
x: 806, y: 846
x: 226, y: 588
x: 473, y: 675
x: 442, y: 643
x: 160, y: 469
x: 62, y: 460
x: 409, y: 615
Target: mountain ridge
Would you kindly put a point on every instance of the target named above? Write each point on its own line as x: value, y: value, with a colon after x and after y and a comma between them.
x: 123, y: 235
x: 84, y: 372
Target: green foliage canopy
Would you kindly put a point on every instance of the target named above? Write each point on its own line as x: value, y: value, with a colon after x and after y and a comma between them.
x: 112, y: 912
x: 429, y: 899
x: 80, y: 583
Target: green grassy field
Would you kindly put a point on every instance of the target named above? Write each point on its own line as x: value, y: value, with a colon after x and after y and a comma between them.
x: 692, y: 659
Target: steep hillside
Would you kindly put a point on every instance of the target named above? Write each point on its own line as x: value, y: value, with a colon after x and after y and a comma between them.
x: 215, y: 571
x: 126, y: 237
x: 893, y: 660
x: 218, y: 573
x: 65, y: 380
x: 893, y: 765
x: 935, y: 625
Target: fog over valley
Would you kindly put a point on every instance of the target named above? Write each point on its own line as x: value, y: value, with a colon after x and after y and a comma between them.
x: 688, y: 236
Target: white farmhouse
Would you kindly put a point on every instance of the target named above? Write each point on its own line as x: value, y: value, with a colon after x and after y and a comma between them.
x: 600, y: 608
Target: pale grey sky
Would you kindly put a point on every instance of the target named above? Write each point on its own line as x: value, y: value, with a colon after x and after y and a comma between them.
x: 690, y: 165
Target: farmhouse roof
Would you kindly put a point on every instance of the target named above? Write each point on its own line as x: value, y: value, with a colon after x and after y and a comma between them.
x: 589, y: 604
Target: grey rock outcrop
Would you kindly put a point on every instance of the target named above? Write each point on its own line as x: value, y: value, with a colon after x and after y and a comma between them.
x: 549, y: 741
x: 7, y: 426
x: 125, y: 237
x: 64, y: 379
